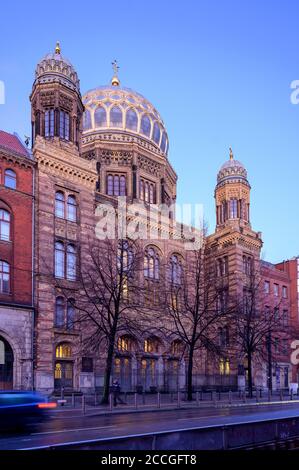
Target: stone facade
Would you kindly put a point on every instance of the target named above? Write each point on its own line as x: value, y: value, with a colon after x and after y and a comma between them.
x: 88, y: 151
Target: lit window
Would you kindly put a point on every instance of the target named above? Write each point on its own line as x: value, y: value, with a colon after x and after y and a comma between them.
x: 276, y: 289
x: 100, y: 117
x: 58, y: 371
x: 10, y: 179
x: 4, y: 277
x: 59, y: 204
x: 123, y: 344
x: 63, y: 351
x: 150, y: 346
x: 59, y: 260
x: 224, y: 367
x: 4, y: 225
x: 71, y: 208
x: 131, y: 120
x: 116, y: 117
x: 71, y: 260
x: 176, y: 347
x: 267, y: 287
x: 49, y: 123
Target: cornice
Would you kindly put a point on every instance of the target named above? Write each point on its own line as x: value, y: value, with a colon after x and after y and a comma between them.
x: 63, y: 160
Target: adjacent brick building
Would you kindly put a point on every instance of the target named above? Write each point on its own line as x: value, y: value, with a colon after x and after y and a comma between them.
x: 16, y: 262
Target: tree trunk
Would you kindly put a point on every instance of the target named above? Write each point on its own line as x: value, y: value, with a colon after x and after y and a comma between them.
x: 250, y: 384
x: 107, y: 376
x: 189, y: 374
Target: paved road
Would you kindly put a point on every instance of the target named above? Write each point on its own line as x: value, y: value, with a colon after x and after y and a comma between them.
x: 65, y: 428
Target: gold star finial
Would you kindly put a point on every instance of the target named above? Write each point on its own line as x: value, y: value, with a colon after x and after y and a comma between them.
x: 231, y: 155
x: 57, y: 48
x: 115, y: 80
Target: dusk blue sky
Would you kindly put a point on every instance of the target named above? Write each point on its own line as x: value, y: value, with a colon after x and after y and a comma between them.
x: 219, y: 72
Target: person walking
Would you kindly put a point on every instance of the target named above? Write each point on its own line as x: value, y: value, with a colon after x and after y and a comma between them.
x: 116, y: 393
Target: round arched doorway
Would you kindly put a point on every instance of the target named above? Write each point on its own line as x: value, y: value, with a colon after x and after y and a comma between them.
x: 6, y: 365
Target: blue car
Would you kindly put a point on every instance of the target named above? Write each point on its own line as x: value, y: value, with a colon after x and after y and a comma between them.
x: 22, y: 408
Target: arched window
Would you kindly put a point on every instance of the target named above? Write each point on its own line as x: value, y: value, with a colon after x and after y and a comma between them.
x: 156, y: 133
x: 71, y: 208
x: 4, y: 277
x: 131, y: 120
x: 4, y: 225
x: 63, y: 351
x: 71, y: 260
x: 59, y: 312
x: 152, y: 194
x: 122, y: 190
x: 10, y: 179
x: 100, y: 117
x: 146, y: 191
x: 125, y: 343
x: 151, y: 264
x: 116, y: 117
x: 151, y: 345
x: 86, y: 119
x: 233, y: 209
x: 59, y: 204
x: 116, y: 185
x: 49, y: 123
x: 141, y: 190
x: 145, y: 125
x: 176, y: 347
x: 64, y: 125
x: 59, y: 260
x: 163, y: 142
x: 175, y: 270
x: 70, y: 314
x: 110, y: 185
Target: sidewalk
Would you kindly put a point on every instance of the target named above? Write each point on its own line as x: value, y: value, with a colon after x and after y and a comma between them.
x: 93, y: 410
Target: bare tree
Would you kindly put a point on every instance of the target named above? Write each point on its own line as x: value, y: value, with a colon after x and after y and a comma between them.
x: 254, y: 325
x: 196, y: 302
x: 108, y: 298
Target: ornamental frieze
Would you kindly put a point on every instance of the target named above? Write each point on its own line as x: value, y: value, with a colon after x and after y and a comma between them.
x: 148, y: 165
x: 116, y: 157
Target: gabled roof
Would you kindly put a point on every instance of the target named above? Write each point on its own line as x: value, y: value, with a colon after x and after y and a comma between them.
x: 13, y: 142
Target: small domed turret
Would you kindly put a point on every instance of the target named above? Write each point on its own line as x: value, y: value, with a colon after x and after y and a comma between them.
x: 231, y: 171
x: 232, y: 193
x: 56, y: 68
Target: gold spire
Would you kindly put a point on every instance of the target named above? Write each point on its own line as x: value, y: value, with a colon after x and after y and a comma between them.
x: 115, y: 80
x: 231, y: 155
x: 57, y: 48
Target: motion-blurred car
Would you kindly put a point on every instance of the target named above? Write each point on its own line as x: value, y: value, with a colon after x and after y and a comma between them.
x: 21, y: 408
